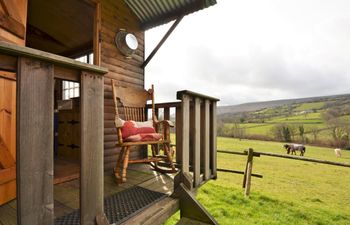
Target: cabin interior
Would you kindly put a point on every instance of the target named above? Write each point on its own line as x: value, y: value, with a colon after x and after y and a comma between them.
x: 84, y: 30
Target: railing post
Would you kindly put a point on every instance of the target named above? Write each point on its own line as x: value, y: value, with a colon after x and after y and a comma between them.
x: 248, y: 173
x: 35, y: 142
x: 91, y: 172
x: 196, y: 160
x: 166, y: 113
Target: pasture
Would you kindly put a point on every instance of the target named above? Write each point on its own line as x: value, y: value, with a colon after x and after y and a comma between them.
x: 291, y: 192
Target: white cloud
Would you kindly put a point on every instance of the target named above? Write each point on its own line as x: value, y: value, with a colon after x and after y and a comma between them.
x: 255, y: 50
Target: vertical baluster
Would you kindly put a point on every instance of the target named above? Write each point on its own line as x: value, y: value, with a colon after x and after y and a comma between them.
x: 178, y: 133
x: 205, y: 132
x: 167, y: 113
x: 185, y: 157
x: 196, y: 142
x: 213, y: 161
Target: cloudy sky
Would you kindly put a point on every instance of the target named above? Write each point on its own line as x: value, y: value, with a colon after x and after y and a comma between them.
x: 253, y: 50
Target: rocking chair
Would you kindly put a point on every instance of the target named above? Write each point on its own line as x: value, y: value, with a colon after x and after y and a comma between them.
x: 135, y: 130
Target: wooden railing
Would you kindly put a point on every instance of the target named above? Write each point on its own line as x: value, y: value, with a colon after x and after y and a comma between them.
x: 35, y: 71
x: 195, y: 128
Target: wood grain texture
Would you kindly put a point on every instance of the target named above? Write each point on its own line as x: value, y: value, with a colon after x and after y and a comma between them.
x: 213, y: 154
x: 205, y: 154
x: 35, y: 142
x: 185, y: 134
x: 13, y: 21
x: 115, y: 15
x: 197, y: 143
x: 91, y: 173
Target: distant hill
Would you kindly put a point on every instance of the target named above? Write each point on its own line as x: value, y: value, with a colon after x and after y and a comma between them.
x: 254, y: 106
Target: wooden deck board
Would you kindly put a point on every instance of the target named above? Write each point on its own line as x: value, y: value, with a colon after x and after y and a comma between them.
x: 66, y: 194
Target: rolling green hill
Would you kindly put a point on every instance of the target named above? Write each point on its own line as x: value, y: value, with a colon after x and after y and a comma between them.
x: 319, y: 121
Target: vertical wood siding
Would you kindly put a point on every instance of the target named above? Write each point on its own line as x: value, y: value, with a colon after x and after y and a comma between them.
x: 116, y: 15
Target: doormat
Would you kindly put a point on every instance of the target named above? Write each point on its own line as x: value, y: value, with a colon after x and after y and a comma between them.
x: 120, y: 206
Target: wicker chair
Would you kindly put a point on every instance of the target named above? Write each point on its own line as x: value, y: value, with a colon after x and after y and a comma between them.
x: 130, y: 105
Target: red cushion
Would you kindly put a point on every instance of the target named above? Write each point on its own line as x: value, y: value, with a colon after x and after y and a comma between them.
x: 131, y: 128
x: 144, y: 137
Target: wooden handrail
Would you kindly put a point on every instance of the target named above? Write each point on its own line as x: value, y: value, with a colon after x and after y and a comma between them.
x: 195, y: 94
x: 16, y: 50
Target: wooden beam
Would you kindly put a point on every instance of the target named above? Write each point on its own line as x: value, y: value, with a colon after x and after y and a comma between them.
x: 97, y: 33
x: 6, y: 159
x: 12, y: 25
x: 167, y: 34
x: 7, y: 174
x: 304, y: 159
x: 91, y: 173
x: 12, y: 49
x: 8, y: 63
x: 35, y: 142
x: 67, y: 73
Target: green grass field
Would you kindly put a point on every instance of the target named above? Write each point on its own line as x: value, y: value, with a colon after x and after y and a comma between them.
x: 310, y: 106
x: 291, y: 191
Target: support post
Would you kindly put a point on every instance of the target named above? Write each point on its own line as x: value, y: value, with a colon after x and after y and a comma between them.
x: 91, y: 172
x: 35, y: 142
x: 248, y: 174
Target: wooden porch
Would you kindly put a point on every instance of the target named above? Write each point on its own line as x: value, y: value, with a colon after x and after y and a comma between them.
x: 66, y: 196
x: 39, y: 201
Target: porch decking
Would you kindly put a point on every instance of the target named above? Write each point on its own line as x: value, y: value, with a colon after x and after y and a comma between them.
x: 66, y: 195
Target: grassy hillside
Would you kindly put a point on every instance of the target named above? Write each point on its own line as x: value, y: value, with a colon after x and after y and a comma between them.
x: 316, y: 119
x: 291, y: 192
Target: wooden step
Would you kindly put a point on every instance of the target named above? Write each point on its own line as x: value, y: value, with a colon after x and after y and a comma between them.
x: 187, y: 221
x: 156, y: 214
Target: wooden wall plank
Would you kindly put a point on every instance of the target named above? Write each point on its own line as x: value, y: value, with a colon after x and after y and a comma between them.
x: 115, y: 15
x: 91, y: 173
x: 35, y: 142
x: 8, y: 63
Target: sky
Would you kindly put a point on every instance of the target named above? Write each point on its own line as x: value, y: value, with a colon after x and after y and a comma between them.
x: 253, y: 50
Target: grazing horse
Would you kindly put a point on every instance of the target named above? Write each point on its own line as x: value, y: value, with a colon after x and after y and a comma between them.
x: 293, y: 148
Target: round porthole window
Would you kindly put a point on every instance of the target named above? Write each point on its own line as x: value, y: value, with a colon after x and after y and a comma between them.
x: 126, y: 43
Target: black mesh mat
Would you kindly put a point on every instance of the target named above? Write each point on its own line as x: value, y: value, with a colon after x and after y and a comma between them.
x: 120, y: 206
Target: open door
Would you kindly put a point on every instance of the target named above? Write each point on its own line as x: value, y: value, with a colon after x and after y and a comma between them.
x: 7, y: 136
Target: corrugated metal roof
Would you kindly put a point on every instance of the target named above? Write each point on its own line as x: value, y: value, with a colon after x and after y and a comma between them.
x: 152, y: 13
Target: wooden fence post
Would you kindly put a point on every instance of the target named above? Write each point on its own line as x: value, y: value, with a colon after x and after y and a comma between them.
x: 248, y: 172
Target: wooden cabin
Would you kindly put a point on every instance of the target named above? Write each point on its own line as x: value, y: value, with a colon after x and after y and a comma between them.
x: 57, y: 133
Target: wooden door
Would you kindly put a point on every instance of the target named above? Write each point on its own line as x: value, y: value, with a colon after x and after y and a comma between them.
x: 13, y: 19
x: 7, y: 137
